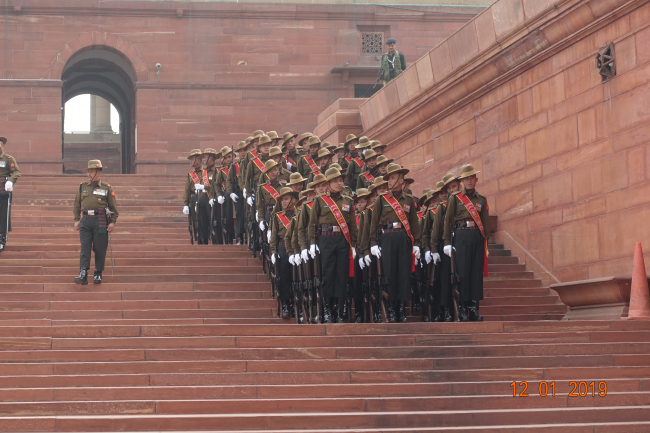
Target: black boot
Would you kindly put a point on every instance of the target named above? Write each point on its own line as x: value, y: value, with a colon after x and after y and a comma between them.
x: 82, y: 278
x: 473, y: 312
x: 3, y: 241
x: 391, y: 312
x: 462, y: 312
x: 340, y: 317
x: 358, y: 317
x: 449, y: 317
x: 327, y: 314
x: 240, y: 239
x: 285, y: 310
x: 292, y: 309
x: 300, y: 320
x: 97, y: 277
x: 401, y: 314
x: 439, y: 314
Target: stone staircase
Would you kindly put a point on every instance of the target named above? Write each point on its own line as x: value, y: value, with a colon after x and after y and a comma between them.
x: 184, y: 338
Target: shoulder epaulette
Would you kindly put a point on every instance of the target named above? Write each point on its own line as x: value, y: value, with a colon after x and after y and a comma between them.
x: 454, y: 193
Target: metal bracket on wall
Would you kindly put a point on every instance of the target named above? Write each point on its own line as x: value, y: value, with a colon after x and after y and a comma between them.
x: 606, y: 61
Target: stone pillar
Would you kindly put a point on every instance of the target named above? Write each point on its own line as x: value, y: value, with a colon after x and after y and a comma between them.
x: 100, y: 115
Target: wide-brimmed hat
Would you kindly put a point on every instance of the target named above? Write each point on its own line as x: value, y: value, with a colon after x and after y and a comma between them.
x: 304, y: 136
x: 332, y: 173
x: 318, y: 179
x: 323, y: 153
x: 273, y: 135
x: 369, y: 155
x: 361, y: 193
x: 195, y: 152
x: 382, y: 159
x: 467, y: 170
x: 210, y: 151
x: 287, y: 136
x: 296, y: 178
x: 426, y: 196
x: 248, y: 140
x: 3, y: 140
x: 449, y: 177
x: 363, y: 142
x: 225, y: 151
x: 327, y: 145
x: 275, y: 151
x: 375, y: 144
x: 349, y: 138
x: 287, y: 191
x: 94, y: 163
x: 258, y: 134
x: 269, y: 165
x: 241, y: 145
x: 439, y: 186
x: 395, y: 168
x: 313, y: 140
x: 409, y: 180
x: 337, y: 166
x: 340, y: 146
x: 264, y: 139
x: 379, y: 181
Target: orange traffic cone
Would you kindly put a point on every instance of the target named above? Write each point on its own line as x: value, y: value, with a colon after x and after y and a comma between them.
x: 639, y: 296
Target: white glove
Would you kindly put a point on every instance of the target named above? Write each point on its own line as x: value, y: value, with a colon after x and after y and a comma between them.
x: 221, y: 199
x: 447, y: 250
x: 273, y: 258
x: 296, y: 259
x: 268, y: 234
x: 291, y: 260
x: 375, y: 251
x: 367, y: 259
x: 416, y: 251
x: 289, y: 165
x: 436, y: 258
x: 417, y: 261
x: 361, y: 263
x: 244, y: 192
x: 262, y: 225
x: 211, y: 202
x: 304, y: 254
x: 312, y: 251
x: 250, y: 201
x: 428, y: 257
x: 186, y: 210
x: 234, y: 197
x: 256, y: 216
x: 354, y: 253
x: 9, y: 186
x: 199, y: 187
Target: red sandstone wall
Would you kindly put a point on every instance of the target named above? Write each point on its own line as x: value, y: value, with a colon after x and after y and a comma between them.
x: 203, y: 97
x: 565, y: 159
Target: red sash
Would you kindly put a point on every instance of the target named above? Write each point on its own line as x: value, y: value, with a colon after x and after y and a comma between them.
x: 359, y: 162
x: 348, y: 159
x: 289, y: 160
x: 254, y: 153
x: 358, y: 216
x: 259, y: 164
x: 194, y: 177
x: 309, y: 205
x: 271, y: 191
x: 225, y: 170
x: 477, y: 219
x: 344, y: 228
x: 405, y: 222
x: 369, y: 177
x: 312, y: 164
x: 284, y: 220
x: 420, y: 215
x: 237, y: 168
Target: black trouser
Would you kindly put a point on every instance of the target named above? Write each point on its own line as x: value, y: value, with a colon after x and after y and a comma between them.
x: 357, y: 292
x: 442, y: 295
x: 195, y: 223
x: 469, y: 263
x: 227, y: 213
x: 396, y: 256
x: 215, y: 224
x: 204, y: 219
x: 4, y: 207
x: 240, y: 215
x: 91, y: 239
x: 335, y: 265
x: 283, y: 267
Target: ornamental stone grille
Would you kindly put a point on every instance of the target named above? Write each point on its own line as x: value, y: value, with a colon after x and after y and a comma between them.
x: 372, y: 43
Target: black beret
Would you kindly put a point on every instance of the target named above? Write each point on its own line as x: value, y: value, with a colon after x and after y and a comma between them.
x: 391, y: 41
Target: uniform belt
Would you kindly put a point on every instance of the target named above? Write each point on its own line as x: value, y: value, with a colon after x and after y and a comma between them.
x: 466, y: 225
x: 392, y: 227
x: 94, y: 212
x: 330, y: 230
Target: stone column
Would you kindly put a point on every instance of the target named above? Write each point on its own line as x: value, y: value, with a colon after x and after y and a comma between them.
x: 100, y: 115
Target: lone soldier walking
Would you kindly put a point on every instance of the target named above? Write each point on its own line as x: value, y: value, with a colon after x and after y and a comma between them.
x: 93, y: 221
x: 468, y: 214
x: 9, y: 174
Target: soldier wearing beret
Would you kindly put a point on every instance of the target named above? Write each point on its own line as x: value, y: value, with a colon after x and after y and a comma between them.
x: 95, y: 215
x: 468, y: 216
x: 9, y: 174
x: 393, y: 62
x: 196, y: 197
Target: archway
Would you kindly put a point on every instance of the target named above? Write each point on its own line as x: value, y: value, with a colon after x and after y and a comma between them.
x: 106, y: 73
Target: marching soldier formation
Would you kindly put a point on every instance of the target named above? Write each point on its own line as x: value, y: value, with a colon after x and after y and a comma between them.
x: 340, y: 233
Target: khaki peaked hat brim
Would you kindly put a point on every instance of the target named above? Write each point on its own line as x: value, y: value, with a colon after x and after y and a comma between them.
x: 242, y: 145
x: 332, y: 173
x: 269, y: 165
x: 396, y: 168
x: 318, y: 179
x: 211, y: 151
x: 94, y: 163
x: 264, y: 139
x: 296, y: 178
x: 287, y: 136
x: 361, y: 193
x: 275, y: 151
x: 449, y: 177
x: 467, y: 170
x: 288, y: 191
x: 379, y: 181
x: 349, y: 138
x: 304, y: 136
x: 323, y: 153
x: 195, y: 152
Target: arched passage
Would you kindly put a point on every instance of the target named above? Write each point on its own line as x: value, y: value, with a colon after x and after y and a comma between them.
x: 105, y: 72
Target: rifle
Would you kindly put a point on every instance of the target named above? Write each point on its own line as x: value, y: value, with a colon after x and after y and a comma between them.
x: 8, y: 216
x: 307, y: 272
x: 265, y: 258
x: 427, y: 298
x: 191, y: 228
x: 455, y: 280
x: 383, y: 284
x: 276, y: 277
x: 223, y: 224
x: 365, y: 289
x: 373, y: 288
x: 295, y: 288
x: 304, y: 294
x: 317, y: 284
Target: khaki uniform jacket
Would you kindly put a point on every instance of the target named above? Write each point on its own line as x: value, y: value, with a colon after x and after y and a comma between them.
x: 301, y: 226
x: 383, y: 213
x: 9, y: 167
x: 213, y: 173
x: 303, y: 167
x: 100, y: 196
x: 353, y: 172
x: 456, y: 211
x: 234, y: 178
x: 438, y: 227
x: 295, y: 156
x: 263, y: 199
x: 253, y: 173
x: 364, y: 231
x: 361, y: 216
x: 220, y: 181
x: 427, y: 221
x: 321, y: 214
x: 189, y: 185
x: 362, y: 182
x: 291, y: 238
x: 278, y: 230
x: 244, y: 164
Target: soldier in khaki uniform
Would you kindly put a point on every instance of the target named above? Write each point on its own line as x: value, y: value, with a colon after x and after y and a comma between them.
x: 211, y: 165
x: 335, y: 239
x: 356, y: 164
x: 395, y: 216
x: 252, y: 154
x: 234, y: 181
x: 307, y: 163
x: 360, y: 203
x: 224, y: 202
x: 429, y: 207
x: 291, y: 154
x: 9, y: 174
x: 256, y: 166
x: 375, y: 167
x: 196, y: 197
x: 93, y: 221
x: 468, y: 215
x: 267, y: 193
x: 275, y: 153
x: 323, y: 161
x: 280, y: 223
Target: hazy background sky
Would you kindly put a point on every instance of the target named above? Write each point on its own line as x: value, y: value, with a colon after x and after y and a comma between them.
x: 77, y: 115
